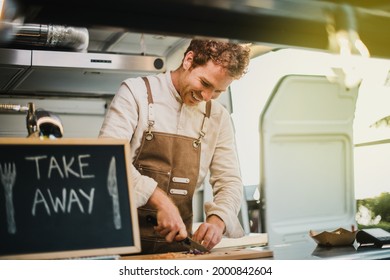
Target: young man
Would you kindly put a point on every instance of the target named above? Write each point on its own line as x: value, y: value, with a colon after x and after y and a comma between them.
x: 177, y: 135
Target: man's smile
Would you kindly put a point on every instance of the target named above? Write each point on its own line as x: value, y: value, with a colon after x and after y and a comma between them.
x: 194, y: 96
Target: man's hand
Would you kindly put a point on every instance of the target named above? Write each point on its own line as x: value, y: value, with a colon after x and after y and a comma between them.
x: 210, y: 233
x: 169, y: 222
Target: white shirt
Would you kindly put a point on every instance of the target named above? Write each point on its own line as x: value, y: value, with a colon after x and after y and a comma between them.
x: 127, y: 119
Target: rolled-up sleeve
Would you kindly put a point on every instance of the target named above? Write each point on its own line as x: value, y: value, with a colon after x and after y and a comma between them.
x: 225, y: 180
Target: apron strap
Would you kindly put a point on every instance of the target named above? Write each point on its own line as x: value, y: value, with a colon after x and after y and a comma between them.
x: 149, y: 135
x: 203, y: 129
x: 149, y: 91
x: 208, y: 109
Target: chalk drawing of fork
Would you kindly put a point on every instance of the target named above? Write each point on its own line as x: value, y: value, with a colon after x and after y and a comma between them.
x: 8, y: 176
x: 112, y: 187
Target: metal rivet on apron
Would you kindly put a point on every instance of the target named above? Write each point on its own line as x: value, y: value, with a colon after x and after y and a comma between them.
x: 196, y: 143
x: 149, y: 136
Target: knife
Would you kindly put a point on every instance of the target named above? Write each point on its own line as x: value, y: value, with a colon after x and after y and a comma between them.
x: 186, y: 242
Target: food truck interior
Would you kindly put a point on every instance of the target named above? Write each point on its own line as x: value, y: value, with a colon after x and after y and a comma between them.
x: 312, y: 106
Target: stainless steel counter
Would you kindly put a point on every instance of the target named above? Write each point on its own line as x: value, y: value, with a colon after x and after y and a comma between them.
x: 309, y: 250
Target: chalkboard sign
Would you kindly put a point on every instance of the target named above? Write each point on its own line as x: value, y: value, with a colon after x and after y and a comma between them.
x: 66, y: 198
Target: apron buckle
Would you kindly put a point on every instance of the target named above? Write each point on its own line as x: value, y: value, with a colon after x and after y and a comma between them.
x: 149, y: 134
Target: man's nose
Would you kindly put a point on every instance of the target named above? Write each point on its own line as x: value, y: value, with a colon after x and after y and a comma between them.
x: 207, y: 94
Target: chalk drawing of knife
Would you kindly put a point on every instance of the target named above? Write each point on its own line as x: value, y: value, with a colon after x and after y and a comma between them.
x: 8, y: 177
x: 112, y: 186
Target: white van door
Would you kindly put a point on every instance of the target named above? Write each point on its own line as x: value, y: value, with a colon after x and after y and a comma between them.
x: 306, y: 158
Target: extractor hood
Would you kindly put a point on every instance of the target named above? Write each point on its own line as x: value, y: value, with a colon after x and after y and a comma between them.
x: 43, y: 72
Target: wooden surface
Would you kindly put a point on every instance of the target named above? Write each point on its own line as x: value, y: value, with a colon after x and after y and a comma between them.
x: 215, y: 254
x: 227, y: 249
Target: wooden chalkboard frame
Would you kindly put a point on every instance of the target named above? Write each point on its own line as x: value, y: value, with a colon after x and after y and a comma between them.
x: 98, y: 250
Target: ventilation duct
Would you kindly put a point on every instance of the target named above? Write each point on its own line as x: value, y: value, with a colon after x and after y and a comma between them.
x: 50, y: 36
x: 53, y: 60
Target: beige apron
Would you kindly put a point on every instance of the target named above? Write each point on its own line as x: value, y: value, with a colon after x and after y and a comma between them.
x: 173, y: 161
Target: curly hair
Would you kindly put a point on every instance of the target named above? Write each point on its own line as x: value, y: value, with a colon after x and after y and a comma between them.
x: 233, y: 57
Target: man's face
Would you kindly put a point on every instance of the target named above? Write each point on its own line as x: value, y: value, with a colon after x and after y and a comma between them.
x: 203, y: 82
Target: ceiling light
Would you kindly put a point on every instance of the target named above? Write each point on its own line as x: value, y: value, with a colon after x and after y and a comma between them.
x: 344, y: 40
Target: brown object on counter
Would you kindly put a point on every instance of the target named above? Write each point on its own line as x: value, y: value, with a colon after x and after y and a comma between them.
x: 338, y: 237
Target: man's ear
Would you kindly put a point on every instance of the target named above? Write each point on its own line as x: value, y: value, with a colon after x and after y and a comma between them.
x: 187, y: 61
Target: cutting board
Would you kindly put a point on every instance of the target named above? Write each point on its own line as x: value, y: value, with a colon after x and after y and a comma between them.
x: 215, y: 254
x: 252, y: 239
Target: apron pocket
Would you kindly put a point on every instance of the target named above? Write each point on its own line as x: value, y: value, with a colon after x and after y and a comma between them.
x: 160, y: 176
